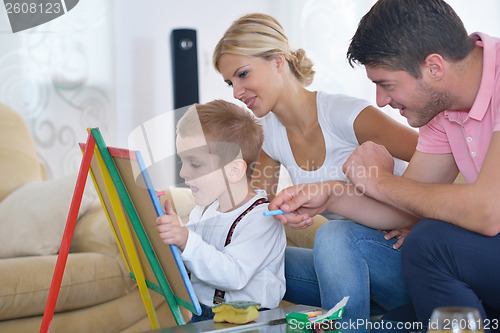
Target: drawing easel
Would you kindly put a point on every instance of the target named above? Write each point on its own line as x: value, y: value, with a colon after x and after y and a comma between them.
x: 131, y: 206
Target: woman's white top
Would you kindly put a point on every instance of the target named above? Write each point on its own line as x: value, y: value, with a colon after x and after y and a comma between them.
x: 336, y: 116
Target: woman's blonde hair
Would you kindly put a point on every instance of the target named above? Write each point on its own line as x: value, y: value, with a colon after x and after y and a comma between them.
x: 261, y: 35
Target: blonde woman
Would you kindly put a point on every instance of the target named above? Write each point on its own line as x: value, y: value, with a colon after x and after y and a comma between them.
x: 312, y: 133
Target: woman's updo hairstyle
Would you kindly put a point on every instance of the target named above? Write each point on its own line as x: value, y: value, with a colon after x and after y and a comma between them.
x: 260, y: 35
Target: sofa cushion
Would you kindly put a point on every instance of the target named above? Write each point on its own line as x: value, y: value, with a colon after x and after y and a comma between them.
x: 94, y: 234
x: 89, y: 279
x: 304, y: 237
x: 33, y: 217
x: 20, y: 164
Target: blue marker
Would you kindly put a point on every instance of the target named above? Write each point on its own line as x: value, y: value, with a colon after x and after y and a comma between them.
x: 275, y: 212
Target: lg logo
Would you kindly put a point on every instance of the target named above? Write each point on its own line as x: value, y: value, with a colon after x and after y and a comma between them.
x: 25, y: 14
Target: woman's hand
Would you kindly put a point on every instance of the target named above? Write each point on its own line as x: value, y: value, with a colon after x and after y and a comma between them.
x: 399, y: 234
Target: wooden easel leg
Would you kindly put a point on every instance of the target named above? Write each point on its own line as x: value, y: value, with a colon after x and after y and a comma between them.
x: 67, y: 236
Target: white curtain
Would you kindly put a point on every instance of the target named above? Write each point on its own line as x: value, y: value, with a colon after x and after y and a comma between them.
x: 59, y: 77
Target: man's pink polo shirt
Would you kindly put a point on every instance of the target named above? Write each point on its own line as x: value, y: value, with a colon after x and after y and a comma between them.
x: 465, y: 134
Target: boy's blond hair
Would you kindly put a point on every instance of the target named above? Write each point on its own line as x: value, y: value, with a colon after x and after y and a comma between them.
x: 228, y: 129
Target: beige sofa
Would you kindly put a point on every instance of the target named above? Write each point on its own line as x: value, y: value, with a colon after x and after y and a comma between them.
x: 97, y: 294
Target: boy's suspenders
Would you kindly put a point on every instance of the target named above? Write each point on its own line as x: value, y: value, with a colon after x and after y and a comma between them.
x: 219, y: 294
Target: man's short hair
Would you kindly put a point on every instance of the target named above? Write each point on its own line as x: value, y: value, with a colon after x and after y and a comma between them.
x: 400, y: 34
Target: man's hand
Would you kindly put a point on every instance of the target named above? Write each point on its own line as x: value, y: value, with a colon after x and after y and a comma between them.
x: 170, y: 228
x: 302, y: 201
x: 367, y: 164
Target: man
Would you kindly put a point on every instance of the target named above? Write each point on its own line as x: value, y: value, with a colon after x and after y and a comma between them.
x: 447, y: 83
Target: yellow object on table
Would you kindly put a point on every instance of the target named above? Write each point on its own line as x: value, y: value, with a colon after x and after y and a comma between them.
x: 236, y: 312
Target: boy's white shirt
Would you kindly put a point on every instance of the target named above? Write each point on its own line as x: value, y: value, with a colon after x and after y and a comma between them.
x: 250, y: 268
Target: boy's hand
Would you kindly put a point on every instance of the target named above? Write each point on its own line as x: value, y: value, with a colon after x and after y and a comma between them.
x: 170, y: 228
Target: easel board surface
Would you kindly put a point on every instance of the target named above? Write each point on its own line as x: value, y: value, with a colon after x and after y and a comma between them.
x: 135, y: 178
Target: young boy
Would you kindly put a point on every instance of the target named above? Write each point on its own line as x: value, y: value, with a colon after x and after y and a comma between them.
x: 234, y: 253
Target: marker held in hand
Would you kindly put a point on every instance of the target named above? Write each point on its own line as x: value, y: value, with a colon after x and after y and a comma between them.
x: 275, y: 212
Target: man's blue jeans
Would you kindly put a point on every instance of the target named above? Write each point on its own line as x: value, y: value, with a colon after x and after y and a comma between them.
x: 348, y: 260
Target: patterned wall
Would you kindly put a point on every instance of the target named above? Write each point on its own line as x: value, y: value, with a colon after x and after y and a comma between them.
x: 59, y: 77
x: 323, y: 28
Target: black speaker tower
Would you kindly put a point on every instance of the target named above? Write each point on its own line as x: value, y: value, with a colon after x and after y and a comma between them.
x: 185, y: 76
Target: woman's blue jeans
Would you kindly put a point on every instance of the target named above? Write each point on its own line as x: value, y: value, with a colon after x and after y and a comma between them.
x: 348, y: 260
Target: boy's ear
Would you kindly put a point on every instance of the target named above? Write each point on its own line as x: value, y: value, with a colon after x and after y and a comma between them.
x: 236, y: 170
